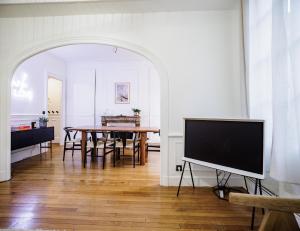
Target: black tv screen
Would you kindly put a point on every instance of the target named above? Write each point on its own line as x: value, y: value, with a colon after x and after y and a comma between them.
x: 230, y: 145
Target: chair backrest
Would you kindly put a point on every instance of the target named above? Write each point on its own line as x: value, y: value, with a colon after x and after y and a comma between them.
x: 136, y: 136
x: 68, y: 135
x: 105, y: 136
x: 69, y: 131
x: 123, y: 136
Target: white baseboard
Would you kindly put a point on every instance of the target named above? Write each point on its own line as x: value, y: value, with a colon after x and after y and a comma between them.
x: 164, y: 181
x: 23, y: 153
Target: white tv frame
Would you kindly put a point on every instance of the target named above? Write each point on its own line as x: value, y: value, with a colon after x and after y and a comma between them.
x: 222, y: 167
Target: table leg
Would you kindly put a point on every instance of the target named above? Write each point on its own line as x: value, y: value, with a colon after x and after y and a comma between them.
x: 83, y: 145
x: 143, y: 148
x: 94, y: 138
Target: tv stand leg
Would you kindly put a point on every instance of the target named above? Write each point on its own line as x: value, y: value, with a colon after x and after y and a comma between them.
x: 257, y: 185
x: 191, y: 174
x: 260, y: 192
x: 181, y: 178
x: 253, y: 209
x: 246, y: 184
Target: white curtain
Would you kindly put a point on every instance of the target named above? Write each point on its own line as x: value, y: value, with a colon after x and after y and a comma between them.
x: 272, y: 42
x: 285, y: 162
x: 257, y: 20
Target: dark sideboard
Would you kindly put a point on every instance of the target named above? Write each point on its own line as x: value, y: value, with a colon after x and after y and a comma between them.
x: 25, y: 138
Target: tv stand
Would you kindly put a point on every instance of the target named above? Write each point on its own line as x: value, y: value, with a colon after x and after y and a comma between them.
x: 221, y: 189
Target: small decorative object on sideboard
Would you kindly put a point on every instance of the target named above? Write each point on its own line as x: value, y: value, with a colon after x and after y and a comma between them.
x: 33, y: 123
x: 136, y: 111
x: 43, y: 122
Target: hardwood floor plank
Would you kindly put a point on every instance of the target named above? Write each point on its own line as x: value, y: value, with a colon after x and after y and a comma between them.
x: 57, y: 195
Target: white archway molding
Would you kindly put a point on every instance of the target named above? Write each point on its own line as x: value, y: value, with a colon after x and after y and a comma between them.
x: 18, y: 58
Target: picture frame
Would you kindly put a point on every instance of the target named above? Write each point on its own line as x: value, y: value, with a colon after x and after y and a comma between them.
x: 122, y: 93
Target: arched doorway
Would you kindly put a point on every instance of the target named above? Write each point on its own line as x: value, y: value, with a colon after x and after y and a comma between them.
x: 5, y: 129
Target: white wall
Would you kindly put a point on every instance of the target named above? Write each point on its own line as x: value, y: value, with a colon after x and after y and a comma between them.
x: 144, y: 91
x: 198, y: 54
x: 27, y: 107
x: 80, y: 96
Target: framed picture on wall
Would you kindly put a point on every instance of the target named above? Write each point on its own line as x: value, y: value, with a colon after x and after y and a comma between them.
x: 122, y: 92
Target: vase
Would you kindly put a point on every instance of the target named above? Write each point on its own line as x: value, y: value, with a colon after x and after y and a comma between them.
x: 42, y: 124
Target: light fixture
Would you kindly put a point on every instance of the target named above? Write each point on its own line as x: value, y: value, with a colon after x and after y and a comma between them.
x: 115, y: 50
x: 19, y: 88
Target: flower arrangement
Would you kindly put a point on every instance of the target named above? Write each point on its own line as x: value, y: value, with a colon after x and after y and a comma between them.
x: 43, y: 121
x: 136, y: 111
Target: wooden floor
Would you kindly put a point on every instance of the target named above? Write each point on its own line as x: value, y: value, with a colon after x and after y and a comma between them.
x: 52, y: 194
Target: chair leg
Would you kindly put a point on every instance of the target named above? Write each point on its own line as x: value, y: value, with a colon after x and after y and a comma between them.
x: 51, y: 148
x: 114, y: 157
x: 64, y: 151
x: 103, y: 158
x: 84, y: 159
x: 73, y: 147
x: 133, y: 157
x: 40, y: 151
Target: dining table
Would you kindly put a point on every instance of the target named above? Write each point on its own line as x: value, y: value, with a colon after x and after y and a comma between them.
x: 94, y: 129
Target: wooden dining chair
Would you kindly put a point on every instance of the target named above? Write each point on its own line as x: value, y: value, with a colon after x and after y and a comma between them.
x: 103, y: 143
x: 121, y: 137
x: 71, y: 142
x: 280, y: 215
x: 153, y: 146
x: 132, y: 144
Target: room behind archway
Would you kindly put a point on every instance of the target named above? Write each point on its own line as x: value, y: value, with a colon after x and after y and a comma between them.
x: 90, y: 75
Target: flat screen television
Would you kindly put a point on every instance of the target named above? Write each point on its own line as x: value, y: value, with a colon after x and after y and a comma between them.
x: 235, y: 146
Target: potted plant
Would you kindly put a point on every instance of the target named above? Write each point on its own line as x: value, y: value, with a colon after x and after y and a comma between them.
x: 136, y: 111
x: 43, y: 121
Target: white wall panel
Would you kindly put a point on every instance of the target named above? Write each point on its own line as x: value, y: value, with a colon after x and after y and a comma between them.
x: 29, y: 94
x: 144, y: 90
x: 197, y: 54
x: 29, y: 84
x: 80, y: 97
